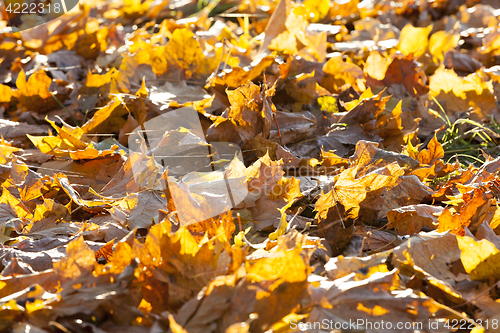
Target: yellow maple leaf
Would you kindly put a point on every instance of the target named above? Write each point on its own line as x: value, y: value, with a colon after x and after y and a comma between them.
x: 457, y: 94
x: 480, y: 259
x: 287, y: 266
x: 40, y: 93
x: 350, y: 192
x: 342, y: 72
x: 441, y: 42
x: 69, y: 142
x: 79, y: 258
x: 432, y: 154
x: 184, y: 52
x: 414, y: 40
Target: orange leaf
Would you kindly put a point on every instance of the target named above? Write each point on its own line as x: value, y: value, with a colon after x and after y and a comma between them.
x: 350, y: 192
x: 456, y: 222
x: 432, y: 154
x: 106, y: 251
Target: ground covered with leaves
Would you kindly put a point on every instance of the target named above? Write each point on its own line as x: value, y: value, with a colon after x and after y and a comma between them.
x: 368, y: 135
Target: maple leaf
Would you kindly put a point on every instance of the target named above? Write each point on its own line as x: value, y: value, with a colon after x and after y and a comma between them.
x: 366, y: 110
x: 142, y: 208
x: 412, y: 219
x: 40, y: 92
x: 457, y: 94
x: 70, y: 142
x: 431, y: 254
x: 368, y: 154
x: 351, y: 191
x: 432, y: 154
x: 480, y: 259
x: 368, y: 297
x: 79, y: 258
x: 341, y: 73
x: 111, y: 116
x: 475, y: 202
x: 376, y: 66
x: 414, y: 40
x: 258, y: 282
x: 239, y: 76
x: 294, y: 32
x: 441, y: 42
x: 185, y: 52
x: 402, y: 70
x: 250, y: 114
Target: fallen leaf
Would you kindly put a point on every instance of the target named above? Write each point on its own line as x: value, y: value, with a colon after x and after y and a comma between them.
x: 40, y: 93
x: 457, y: 94
x: 351, y: 191
x: 480, y: 259
x: 412, y: 219
x: 414, y: 40
x: 430, y: 253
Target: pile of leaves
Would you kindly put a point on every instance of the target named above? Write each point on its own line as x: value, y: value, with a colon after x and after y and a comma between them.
x: 353, y: 119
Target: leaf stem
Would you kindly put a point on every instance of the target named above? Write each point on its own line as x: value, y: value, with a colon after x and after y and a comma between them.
x: 65, y: 109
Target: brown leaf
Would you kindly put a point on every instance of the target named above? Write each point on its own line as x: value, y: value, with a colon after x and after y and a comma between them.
x: 250, y: 114
x: 95, y: 173
x: 428, y: 253
x: 337, y: 230
x: 142, y: 208
x: 405, y: 71
x: 408, y: 190
x: 369, y: 297
x: 368, y: 154
x: 412, y: 219
x: 366, y: 111
x: 238, y: 76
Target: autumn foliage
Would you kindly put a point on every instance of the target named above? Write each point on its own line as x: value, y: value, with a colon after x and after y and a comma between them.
x: 355, y: 206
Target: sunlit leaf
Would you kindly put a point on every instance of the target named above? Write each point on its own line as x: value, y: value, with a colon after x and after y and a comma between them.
x: 414, y: 40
